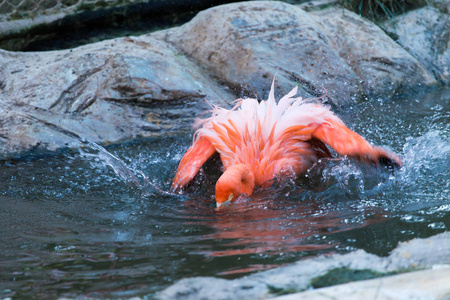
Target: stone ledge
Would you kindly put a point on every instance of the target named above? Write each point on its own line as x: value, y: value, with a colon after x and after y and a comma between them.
x: 417, y: 254
x: 426, y: 284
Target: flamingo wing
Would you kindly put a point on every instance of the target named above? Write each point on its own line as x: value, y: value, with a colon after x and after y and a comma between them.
x: 200, y: 151
x: 319, y: 148
x: 347, y: 142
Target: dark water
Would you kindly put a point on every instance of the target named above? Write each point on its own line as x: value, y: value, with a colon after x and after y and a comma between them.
x: 97, y: 223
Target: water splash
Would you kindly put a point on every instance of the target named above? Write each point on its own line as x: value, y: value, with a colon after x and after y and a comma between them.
x: 424, y: 176
x: 133, y: 177
x: 426, y: 155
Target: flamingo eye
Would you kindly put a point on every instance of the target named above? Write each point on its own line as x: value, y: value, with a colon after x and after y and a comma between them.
x: 230, y: 197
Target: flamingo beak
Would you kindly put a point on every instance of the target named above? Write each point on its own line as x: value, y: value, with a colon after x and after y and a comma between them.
x: 225, y: 203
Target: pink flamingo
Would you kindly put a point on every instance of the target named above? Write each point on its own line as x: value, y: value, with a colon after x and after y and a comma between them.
x: 260, y: 141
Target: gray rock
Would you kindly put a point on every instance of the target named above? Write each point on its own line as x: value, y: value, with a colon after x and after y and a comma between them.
x: 412, y: 255
x: 215, y: 288
x: 246, y: 43
x: 26, y: 24
x: 106, y: 92
x: 426, y: 285
x: 425, y: 34
x: 382, y: 67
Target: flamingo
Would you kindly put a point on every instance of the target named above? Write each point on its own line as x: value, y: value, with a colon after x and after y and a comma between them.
x: 261, y: 141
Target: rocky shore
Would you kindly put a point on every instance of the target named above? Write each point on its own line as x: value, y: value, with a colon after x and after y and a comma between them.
x: 136, y: 87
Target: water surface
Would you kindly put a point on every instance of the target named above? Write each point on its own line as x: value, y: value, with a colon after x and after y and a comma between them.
x: 98, y: 222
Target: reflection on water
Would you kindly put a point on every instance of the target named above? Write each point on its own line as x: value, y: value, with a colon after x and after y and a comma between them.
x: 99, y: 223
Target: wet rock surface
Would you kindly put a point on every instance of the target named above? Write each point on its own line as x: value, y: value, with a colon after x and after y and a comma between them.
x: 416, y: 254
x: 51, y: 25
x: 108, y: 92
x: 245, y: 44
x: 127, y: 88
x: 381, y: 66
x: 425, y: 33
x: 427, y: 284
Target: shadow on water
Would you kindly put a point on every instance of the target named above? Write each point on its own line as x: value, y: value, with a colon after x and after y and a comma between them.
x: 100, y: 223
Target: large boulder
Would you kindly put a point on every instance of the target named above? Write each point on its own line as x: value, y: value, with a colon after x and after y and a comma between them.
x: 106, y: 92
x: 425, y: 33
x: 245, y: 43
x: 382, y: 66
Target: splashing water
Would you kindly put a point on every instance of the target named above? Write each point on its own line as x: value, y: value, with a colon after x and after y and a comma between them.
x: 132, y: 176
x: 426, y: 155
x: 425, y: 175
x: 100, y: 223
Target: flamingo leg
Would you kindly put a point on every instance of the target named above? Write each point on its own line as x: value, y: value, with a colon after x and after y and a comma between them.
x: 347, y: 142
x: 192, y: 160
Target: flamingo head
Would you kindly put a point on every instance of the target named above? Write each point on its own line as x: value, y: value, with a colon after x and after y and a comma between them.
x: 235, y: 181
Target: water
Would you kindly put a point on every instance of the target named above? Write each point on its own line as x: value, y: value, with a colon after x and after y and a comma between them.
x: 98, y: 223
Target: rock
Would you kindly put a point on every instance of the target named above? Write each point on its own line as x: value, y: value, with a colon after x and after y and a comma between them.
x: 244, y: 43
x: 106, y: 92
x: 382, y: 67
x: 412, y: 255
x: 208, y: 287
x: 292, y: 278
x: 425, y: 34
x: 428, y: 284
x: 49, y: 25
